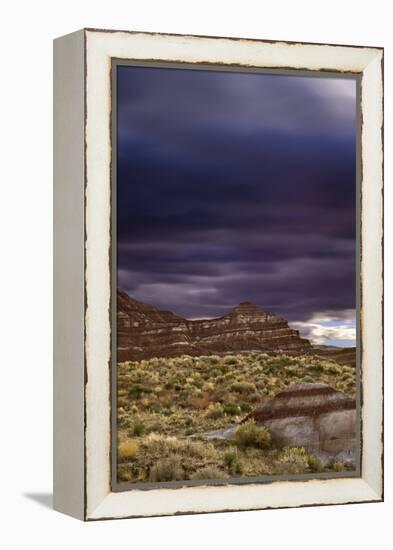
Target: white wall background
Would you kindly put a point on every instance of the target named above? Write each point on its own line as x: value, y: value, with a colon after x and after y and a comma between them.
x: 28, y: 28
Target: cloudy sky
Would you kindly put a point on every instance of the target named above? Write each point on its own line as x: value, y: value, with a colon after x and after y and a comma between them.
x: 234, y: 187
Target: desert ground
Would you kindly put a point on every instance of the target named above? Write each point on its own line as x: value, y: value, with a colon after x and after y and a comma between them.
x: 169, y: 410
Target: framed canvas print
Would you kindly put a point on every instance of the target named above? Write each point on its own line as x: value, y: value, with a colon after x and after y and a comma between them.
x: 218, y: 340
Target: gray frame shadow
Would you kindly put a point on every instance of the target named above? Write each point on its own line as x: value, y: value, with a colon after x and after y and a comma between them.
x: 127, y: 486
x: 44, y: 499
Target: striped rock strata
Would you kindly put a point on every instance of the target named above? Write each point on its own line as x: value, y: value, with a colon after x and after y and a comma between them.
x: 144, y: 331
x: 314, y: 416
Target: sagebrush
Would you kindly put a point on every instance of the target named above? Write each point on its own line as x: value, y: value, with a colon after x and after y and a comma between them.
x: 167, y: 405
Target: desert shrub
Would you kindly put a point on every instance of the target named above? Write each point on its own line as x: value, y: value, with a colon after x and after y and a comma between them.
x: 147, y: 395
x: 166, y: 446
x: 122, y: 419
x: 254, y: 397
x: 230, y: 360
x: 282, y: 360
x: 337, y: 466
x: 231, y: 459
x: 272, y: 368
x: 139, y: 389
x: 200, y: 403
x: 341, y: 386
x: 250, y: 435
x: 127, y: 450
x: 333, y: 369
x: 167, y: 469
x: 231, y: 409
x: 201, y: 450
x: 161, y: 445
x: 243, y: 387
x: 293, y: 460
x: 154, y: 407
x: 224, y: 369
x: 214, y: 410
x: 208, y: 386
x: 137, y: 429
x: 348, y: 369
x: 350, y: 387
x: 314, y: 463
x: 308, y: 379
x: 208, y: 472
x: 124, y: 475
x: 262, y: 357
x: 188, y: 421
x: 316, y: 367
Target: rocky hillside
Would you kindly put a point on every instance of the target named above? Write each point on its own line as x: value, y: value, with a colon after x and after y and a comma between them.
x: 342, y: 356
x: 144, y: 332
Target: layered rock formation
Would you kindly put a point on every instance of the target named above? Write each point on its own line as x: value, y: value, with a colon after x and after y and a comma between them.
x: 314, y: 416
x: 144, y: 332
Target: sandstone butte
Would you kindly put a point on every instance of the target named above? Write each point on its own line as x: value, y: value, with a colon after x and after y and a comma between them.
x: 144, y: 331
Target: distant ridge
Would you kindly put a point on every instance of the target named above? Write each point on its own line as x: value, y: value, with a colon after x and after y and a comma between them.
x: 144, y: 331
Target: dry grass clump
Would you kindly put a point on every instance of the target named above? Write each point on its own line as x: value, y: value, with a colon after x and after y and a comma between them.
x: 314, y: 463
x: 233, y: 462
x: 250, y: 435
x: 293, y: 460
x: 167, y: 458
x: 127, y: 450
x: 338, y: 466
x: 208, y: 472
x: 231, y: 409
x: 137, y: 429
x: 163, y: 446
x: 167, y: 469
x: 214, y: 411
x: 243, y: 387
x: 164, y: 401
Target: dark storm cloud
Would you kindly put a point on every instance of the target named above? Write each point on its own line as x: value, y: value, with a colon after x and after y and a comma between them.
x: 236, y: 187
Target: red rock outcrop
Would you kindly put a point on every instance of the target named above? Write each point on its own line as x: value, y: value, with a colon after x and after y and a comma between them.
x: 144, y: 331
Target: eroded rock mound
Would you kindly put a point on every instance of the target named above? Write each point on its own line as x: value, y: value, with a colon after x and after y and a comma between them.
x: 314, y: 416
x: 144, y: 331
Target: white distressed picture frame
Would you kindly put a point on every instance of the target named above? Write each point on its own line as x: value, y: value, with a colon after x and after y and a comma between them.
x: 82, y: 248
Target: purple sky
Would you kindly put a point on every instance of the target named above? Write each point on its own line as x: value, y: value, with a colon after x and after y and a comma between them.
x: 234, y: 187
